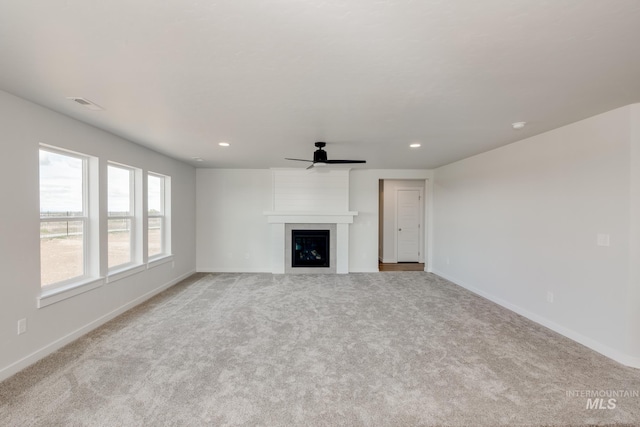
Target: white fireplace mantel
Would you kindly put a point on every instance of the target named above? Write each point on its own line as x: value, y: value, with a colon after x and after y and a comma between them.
x: 278, y: 219
x: 288, y: 217
x: 310, y: 200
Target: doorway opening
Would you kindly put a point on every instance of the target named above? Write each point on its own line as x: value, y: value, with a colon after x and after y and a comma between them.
x: 402, y: 219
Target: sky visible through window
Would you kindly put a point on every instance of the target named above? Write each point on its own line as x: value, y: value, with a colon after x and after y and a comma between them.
x: 60, y: 184
x: 119, y: 191
x: 155, y: 194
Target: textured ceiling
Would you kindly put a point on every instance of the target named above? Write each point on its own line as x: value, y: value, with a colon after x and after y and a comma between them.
x: 368, y: 77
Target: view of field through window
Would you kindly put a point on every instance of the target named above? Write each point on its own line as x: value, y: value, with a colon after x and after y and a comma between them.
x: 61, y: 254
x: 61, y: 251
x: 64, y: 218
x: 155, y: 206
x: 121, y: 205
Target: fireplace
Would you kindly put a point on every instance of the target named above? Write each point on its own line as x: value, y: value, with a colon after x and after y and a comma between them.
x: 315, y: 249
x: 310, y: 248
x: 282, y: 225
x: 306, y: 200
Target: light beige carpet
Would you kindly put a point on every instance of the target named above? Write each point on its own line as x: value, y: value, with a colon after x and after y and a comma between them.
x: 380, y: 349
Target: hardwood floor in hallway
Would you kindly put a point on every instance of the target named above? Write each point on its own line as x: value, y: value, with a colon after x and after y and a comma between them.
x: 401, y: 266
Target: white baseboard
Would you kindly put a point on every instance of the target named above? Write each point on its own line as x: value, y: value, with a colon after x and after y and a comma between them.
x: 32, y: 358
x: 594, y: 345
x: 232, y: 270
x: 249, y: 270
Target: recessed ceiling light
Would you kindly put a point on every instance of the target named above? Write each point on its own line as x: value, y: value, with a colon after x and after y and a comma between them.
x: 223, y: 144
x: 415, y: 145
x: 198, y: 159
x: 518, y: 125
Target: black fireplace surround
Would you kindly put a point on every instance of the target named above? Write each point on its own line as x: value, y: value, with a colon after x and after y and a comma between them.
x: 310, y: 248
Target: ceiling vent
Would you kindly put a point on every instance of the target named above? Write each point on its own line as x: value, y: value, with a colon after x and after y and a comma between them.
x: 86, y: 103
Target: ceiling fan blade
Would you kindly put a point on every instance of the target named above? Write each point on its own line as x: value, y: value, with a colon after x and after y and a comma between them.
x: 320, y: 158
x: 345, y: 161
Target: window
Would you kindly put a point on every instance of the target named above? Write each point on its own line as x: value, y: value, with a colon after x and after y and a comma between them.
x: 121, y: 222
x: 64, y: 218
x: 158, y: 228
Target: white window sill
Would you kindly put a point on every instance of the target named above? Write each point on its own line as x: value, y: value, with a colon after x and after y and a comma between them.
x: 52, y: 296
x: 121, y: 273
x: 159, y: 260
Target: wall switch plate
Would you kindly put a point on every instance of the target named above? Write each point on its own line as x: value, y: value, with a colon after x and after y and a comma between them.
x: 550, y: 296
x: 603, y: 239
x: 22, y: 326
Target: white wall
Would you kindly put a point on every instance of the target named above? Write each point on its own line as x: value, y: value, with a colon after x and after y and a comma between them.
x: 521, y: 221
x: 381, y: 220
x: 389, y: 213
x: 24, y: 126
x: 300, y: 190
x: 363, y: 233
x: 632, y: 306
x: 233, y: 233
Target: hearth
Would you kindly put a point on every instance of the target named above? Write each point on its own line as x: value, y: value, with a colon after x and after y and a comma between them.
x: 310, y: 248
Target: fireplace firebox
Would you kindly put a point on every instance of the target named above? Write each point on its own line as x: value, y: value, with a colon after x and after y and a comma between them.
x: 310, y: 248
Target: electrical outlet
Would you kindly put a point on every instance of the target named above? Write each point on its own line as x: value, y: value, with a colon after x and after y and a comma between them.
x: 173, y: 264
x: 22, y: 326
x: 550, y: 296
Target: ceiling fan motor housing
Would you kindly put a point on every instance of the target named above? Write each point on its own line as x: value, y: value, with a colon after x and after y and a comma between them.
x: 320, y: 156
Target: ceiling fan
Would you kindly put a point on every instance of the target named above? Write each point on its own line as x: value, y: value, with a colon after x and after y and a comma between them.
x: 320, y: 158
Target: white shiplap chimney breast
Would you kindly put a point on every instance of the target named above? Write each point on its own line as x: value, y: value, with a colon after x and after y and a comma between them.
x: 310, y: 190
x: 310, y: 197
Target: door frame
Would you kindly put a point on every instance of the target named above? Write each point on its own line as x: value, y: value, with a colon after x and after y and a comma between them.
x: 425, y: 177
x: 421, y: 233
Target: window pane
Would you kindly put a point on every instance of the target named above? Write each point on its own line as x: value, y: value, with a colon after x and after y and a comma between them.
x: 61, y: 185
x: 155, y: 196
x: 119, y: 193
x: 155, y: 236
x: 61, y: 251
x: 119, y: 241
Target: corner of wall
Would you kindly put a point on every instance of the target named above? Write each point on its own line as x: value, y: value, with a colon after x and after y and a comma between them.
x: 506, y: 220
x: 633, y: 302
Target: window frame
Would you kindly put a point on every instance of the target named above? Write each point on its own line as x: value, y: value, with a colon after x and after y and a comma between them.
x: 134, y: 241
x: 94, y: 220
x: 85, y: 218
x: 163, y: 215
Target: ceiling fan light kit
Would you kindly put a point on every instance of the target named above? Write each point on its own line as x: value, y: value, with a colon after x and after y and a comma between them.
x: 320, y: 158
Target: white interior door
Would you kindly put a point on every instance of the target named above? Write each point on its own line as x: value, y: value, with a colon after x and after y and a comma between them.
x: 409, y: 225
